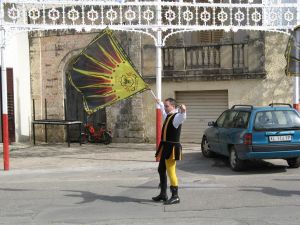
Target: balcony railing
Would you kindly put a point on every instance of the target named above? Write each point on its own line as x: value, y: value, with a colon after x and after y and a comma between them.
x: 211, y: 59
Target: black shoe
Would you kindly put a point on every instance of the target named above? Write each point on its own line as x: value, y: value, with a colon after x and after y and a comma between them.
x: 172, y: 200
x: 175, y: 198
x: 160, y: 197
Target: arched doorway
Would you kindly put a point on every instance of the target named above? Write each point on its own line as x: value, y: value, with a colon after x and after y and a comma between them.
x: 74, y: 109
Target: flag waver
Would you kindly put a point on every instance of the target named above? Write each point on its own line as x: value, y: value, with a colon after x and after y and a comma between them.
x: 104, y: 74
x: 292, y: 54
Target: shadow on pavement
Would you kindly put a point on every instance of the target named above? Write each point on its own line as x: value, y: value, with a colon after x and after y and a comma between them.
x: 88, y: 197
x: 287, y: 180
x: 12, y: 189
x: 271, y: 191
x: 195, y: 162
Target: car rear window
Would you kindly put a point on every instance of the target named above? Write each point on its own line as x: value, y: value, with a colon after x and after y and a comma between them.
x: 277, y: 120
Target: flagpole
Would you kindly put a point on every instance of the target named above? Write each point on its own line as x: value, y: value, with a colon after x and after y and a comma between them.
x: 153, y: 94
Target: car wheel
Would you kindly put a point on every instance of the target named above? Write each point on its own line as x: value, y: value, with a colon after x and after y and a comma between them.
x: 205, y: 148
x: 293, y: 162
x: 236, y: 164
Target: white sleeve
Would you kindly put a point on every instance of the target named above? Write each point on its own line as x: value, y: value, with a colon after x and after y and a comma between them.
x: 162, y: 109
x: 179, y: 118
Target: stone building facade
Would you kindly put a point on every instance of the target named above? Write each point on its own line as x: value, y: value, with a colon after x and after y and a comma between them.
x: 259, y: 81
x: 51, y: 56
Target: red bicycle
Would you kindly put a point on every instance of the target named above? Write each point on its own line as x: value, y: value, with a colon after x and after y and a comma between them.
x: 99, y: 134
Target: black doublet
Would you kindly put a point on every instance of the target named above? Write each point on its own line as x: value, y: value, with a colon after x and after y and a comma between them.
x: 170, y: 140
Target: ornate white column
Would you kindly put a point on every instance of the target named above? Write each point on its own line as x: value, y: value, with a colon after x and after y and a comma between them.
x: 158, y: 71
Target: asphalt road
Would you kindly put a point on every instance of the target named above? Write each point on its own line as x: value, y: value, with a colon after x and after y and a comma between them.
x: 97, y: 184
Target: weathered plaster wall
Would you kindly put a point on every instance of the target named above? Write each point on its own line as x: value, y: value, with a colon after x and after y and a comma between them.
x: 17, y: 58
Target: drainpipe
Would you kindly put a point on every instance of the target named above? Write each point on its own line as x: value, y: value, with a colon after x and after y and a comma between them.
x: 158, y: 73
x: 4, y: 93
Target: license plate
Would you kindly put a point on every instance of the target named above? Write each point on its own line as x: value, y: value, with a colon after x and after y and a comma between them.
x: 280, y: 138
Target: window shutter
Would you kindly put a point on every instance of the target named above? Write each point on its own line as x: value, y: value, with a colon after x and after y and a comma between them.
x: 205, y: 36
x: 211, y: 36
x: 10, y: 105
x: 217, y: 36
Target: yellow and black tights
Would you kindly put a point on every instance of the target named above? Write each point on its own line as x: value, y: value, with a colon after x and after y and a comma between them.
x: 167, y: 166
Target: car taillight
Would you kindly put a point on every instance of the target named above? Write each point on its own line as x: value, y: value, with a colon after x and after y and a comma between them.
x: 248, y: 139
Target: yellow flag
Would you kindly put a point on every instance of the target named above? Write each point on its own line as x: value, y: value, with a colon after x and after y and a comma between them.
x: 104, y: 74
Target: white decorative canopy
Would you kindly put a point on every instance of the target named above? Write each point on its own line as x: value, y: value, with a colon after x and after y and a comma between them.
x: 148, y: 16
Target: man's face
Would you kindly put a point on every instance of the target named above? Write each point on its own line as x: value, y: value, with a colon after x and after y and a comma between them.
x: 168, y: 107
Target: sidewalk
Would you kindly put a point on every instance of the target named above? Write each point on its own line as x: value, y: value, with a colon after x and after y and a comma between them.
x: 59, y: 156
x: 24, y: 158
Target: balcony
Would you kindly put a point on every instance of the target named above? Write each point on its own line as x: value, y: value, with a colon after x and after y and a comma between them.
x: 214, y: 61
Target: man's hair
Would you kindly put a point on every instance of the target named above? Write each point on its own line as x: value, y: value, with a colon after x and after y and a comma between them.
x: 172, y: 101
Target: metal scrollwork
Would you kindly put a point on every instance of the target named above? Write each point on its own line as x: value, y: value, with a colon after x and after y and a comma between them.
x: 148, y: 16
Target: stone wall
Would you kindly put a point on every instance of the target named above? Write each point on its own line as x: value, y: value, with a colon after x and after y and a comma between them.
x: 126, y: 118
x: 50, y: 55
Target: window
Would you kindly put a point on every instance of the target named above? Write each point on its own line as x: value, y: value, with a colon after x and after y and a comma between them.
x: 277, y: 120
x: 228, y: 122
x: 210, y: 36
x: 241, y: 120
x: 221, y: 119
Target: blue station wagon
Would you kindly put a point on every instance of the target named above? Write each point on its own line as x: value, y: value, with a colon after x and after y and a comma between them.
x: 246, y: 132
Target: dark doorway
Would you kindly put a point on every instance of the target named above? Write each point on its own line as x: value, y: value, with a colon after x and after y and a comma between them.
x: 75, y: 110
x: 10, y: 105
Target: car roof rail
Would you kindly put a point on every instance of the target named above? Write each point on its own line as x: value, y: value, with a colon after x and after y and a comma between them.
x: 285, y: 104
x: 249, y: 106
